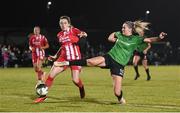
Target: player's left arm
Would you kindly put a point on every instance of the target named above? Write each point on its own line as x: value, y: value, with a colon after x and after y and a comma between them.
x: 156, y: 39
x: 82, y: 34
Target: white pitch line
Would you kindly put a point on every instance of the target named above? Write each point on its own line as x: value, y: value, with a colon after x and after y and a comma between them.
x: 13, y: 96
x: 155, y: 106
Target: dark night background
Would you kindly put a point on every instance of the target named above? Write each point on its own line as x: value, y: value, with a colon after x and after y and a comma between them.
x: 97, y: 17
x: 92, y: 14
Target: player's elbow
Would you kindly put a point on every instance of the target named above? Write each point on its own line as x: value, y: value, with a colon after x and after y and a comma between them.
x: 47, y: 46
x: 111, y: 38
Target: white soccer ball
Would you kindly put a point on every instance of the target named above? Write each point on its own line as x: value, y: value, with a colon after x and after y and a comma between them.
x: 42, y: 90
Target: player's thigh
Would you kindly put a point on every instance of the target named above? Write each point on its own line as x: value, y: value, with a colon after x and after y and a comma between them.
x: 136, y: 59
x: 55, y: 71
x: 145, y: 63
x: 96, y: 61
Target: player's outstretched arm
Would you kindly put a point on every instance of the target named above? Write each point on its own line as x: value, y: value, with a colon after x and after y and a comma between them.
x: 156, y: 39
x: 82, y: 34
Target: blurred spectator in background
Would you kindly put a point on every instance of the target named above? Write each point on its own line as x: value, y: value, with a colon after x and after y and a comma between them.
x: 5, y: 55
x: 0, y: 56
x: 168, y: 53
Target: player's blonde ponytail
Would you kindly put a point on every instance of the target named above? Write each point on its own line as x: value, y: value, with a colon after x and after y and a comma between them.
x: 140, y: 26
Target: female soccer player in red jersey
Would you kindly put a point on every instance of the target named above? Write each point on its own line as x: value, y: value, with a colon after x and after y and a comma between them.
x: 69, y: 51
x: 37, y: 44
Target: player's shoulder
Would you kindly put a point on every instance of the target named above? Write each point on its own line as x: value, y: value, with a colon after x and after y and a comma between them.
x: 138, y: 39
x: 43, y: 36
x: 59, y: 33
x: 74, y: 29
x: 32, y: 36
x: 117, y: 34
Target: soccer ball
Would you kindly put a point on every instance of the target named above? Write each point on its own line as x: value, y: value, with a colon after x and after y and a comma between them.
x: 42, y: 90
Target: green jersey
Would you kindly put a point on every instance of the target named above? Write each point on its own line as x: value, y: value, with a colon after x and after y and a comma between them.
x: 123, y: 48
x: 142, y: 47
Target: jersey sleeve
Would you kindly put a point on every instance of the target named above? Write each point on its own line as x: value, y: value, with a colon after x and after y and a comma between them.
x: 45, y: 41
x: 30, y: 41
x: 76, y: 31
x: 140, y: 40
x: 117, y: 34
x: 58, y: 36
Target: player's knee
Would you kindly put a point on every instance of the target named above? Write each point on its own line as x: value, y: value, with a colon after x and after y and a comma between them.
x: 36, y: 69
x: 91, y: 62
x: 145, y: 65
x: 75, y: 81
x: 135, y: 63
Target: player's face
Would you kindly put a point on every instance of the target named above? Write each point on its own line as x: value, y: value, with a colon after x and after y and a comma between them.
x: 126, y: 30
x: 64, y: 24
x: 36, y: 30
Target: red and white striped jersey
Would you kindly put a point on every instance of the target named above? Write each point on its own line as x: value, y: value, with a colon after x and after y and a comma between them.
x: 37, y: 42
x: 69, y: 50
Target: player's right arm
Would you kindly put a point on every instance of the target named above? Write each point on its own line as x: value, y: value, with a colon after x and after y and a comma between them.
x: 155, y: 39
x: 112, y: 37
x: 31, y: 44
x: 54, y: 57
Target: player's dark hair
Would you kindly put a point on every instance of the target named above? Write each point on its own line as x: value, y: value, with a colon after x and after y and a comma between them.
x: 130, y: 24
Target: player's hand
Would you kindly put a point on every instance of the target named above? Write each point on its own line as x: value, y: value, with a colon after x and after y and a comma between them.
x: 162, y: 35
x: 42, y: 48
x: 32, y: 49
x: 82, y: 34
x: 52, y: 58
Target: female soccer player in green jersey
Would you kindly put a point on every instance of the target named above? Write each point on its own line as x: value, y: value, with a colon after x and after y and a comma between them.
x: 117, y: 58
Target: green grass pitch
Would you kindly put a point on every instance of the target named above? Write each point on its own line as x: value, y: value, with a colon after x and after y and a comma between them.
x: 161, y: 94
